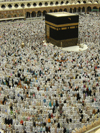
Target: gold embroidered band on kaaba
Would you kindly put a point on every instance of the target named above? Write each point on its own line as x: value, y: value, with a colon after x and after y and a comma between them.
x: 62, y: 28
x: 61, y: 25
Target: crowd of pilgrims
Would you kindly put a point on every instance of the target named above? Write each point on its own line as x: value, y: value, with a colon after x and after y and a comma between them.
x: 43, y: 88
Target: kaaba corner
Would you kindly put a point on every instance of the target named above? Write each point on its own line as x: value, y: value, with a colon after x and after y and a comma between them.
x: 61, y: 28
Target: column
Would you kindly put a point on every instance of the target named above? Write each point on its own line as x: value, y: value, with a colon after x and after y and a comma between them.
x: 42, y: 14
x: 80, y: 10
x: 91, y: 9
x: 85, y: 9
x: 76, y: 10
x: 31, y: 15
x: 68, y: 9
x: 36, y: 14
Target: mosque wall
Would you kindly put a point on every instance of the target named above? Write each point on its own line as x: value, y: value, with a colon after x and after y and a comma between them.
x: 28, y: 9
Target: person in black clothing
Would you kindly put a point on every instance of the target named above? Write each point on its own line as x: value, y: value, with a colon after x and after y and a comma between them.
x: 58, y: 125
x: 78, y: 96
x: 11, y: 107
x: 57, y: 103
x: 4, y: 100
x: 64, y: 130
x: 80, y: 119
x: 34, y: 124
x: 70, y: 120
x: 18, y: 74
x: 87, y: 119
x: 53, y: 110
x: 44, y: 124
x: 98, y: 110
x: 47, y: 129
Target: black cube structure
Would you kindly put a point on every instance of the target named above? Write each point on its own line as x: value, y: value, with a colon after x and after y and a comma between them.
x: 61, y: 28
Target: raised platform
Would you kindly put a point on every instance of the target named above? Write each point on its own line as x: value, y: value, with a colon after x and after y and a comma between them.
x: 75, y: 48
x: 72, y: 48
x: 14, y: 18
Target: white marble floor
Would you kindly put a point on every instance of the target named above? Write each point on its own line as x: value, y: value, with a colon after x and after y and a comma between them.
x: 72, y: 48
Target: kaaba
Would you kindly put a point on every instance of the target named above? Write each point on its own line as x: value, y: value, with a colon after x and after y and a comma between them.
x: 61, y: 28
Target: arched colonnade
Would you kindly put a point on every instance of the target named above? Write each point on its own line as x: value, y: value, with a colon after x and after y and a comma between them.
x: 32, y: 14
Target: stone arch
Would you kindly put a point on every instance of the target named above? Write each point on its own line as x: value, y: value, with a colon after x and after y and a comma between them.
x: 10, y: 6
x: 40, y: 4
x: 16, y: 5
x: 34, y: 4
x: 50, y: 10
x: 67, y: 2
x: 3, y: 6
x: 28, y: 4
x: 15, y: 15
x: 56, y: 3
x: 62, y: 3
x: 83, y: 9
x: 70, y: 10
x: 74, y: 10
x: 55, y: 10
x: 84, y: 2
x: 33, y: 14
x: 60, y: 10
x: 79, y: 2
x: 51, y: 3
x: 79, y: 9
x: 88, y: 9
x: 9, y: 16
x: 65, y: 10
x: 44, y: 12
x: 46, y: 3
x: 27, y: 14
x: 95, y: 7
x: 39, y: 14
x: 22, y: 5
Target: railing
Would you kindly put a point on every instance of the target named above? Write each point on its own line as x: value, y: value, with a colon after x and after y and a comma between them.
x: 89, y: 128
x: 13, y: 0
x: 12, y: 18
x: 93, y: 129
